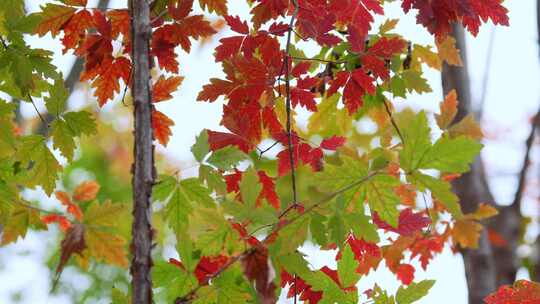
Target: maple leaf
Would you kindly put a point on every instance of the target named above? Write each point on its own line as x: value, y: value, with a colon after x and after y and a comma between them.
x: 257, y: 268
x: 237, y: 25
x: 62, y: 221
x: 96, y: 48
x: 161, y: 124
x: 72, y: 208
x: 73, y: 243
x: 120, y: 22
x: 100, y: 233
x: 207, y: 266
x: 438, y: 16
x: 355, y: 84
x: 164, y: 87
x: 408, y: 222
x: 217, y: 6
x: 53, y: 18
x: 448, y: 52
x: 218, y: 140
x: 367, y: 254
x: 86, y: 191
x: 405, y: 273
x: 387, y: 47
x: 316, y: 20
x: 448, y: 110
x: 168, y: 36
x: 266, y: 10
x: 521, y: 292
x: 107, y: 84
x: 332, y: 143
x: 75, y: 29
x: 356, y: 15
x: 424, y: 248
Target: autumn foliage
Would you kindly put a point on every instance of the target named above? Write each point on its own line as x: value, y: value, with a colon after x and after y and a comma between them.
x: 268, y: 182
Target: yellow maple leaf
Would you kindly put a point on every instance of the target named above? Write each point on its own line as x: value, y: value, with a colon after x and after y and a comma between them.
x: 448, y: 51
x: 101, y: 233
x: 424, y: 54
x: 466, y: 233
x: 448, y: 110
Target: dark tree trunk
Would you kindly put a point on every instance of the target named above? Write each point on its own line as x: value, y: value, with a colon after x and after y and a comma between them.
x: 472, y: 187
x: 143, y: 167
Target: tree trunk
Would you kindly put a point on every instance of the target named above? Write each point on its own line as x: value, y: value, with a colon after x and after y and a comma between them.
x: 143, y: 167
x: 472, y: 187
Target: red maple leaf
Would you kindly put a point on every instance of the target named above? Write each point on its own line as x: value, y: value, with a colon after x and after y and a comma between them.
x: 161, y: 124
x: 75, y: 29
x: 332, y: 143
x: 408, y: 222
x: 97, y: 49
x: 425, y: 248
x: 405, y: 273
x: 120, y: 22
x: 168, y: 36
x: 266, y: 10
x: 257, y: 268
x: 164, y: 87
x: 355, y: 84
x: 107, y: 84
x: 367, y: 254
x: 316, y: 20
x: 356, y: 14
x: 438, y: 16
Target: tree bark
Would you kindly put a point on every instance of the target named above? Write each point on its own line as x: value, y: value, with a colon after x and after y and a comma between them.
x: 143, y: 167
x: 472, y: 187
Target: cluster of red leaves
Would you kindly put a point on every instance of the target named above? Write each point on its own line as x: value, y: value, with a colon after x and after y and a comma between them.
x: 91, y: 35
x: 304, y: 291
x: 304, y: 152
x: 86, y: 191
x: 522, y: 292
x: 438, y: 16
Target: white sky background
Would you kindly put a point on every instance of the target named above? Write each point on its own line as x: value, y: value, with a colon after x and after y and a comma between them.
x: 512, y: 98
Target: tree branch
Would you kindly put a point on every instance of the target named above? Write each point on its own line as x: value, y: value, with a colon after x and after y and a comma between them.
x: 143, y: 169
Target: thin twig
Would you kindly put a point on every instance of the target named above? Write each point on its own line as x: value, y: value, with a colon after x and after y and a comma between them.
x: 37, y: 111
x: 288, y: 102
x: 317, y: 59
x: 392, y: 120
x: 35, y: 208
x: 526, y: 161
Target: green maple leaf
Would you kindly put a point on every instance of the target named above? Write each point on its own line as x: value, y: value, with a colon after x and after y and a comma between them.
x: 250, y: 188
x: 347, y: 266
x: 58, y: 95
x: 201, y: 147
x: 413, y: 292
x: 45, y: 168
x: 451, y: 154
x: 182, y: 197
x: 68, y: 127
x: 416, y: 142
x: 440, y: 189
x: 414, y: 82
x: 226, y: 158
x: 381, y: 197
